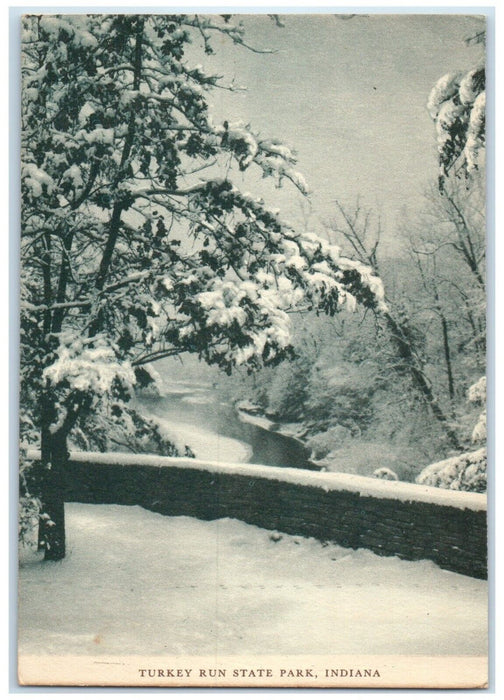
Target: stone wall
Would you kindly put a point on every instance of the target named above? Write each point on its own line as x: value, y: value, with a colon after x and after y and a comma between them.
x: 389, y: 518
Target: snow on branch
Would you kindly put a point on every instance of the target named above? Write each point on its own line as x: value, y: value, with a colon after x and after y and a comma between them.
x: 110, y: 184
x: 457, y: 106
x: 275, y: 158
x: 88, y: 365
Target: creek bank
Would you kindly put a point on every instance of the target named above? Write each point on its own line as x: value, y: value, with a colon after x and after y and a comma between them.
x: 334, y: 448
x: 195, y: 415
x: 249, y: 412
x: 253, y: 414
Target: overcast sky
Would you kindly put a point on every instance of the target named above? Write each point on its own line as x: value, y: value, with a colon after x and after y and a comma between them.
x: 350, y: 96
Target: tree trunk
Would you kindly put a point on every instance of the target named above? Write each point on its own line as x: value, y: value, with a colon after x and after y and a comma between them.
x: 54, y: 457
x: 401, y: 336
x: 447, y: 356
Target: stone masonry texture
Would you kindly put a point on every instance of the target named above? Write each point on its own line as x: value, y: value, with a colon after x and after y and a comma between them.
x: 453, y: 538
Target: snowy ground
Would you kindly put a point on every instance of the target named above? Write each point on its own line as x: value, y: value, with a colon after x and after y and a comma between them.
x: 135, y: 582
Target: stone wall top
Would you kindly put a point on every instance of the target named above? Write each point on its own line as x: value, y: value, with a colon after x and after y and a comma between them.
x: 327, y: 481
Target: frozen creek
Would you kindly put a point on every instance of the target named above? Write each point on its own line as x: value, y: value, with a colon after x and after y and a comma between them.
x: 192, y: 415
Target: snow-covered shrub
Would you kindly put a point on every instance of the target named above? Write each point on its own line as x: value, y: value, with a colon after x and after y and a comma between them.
x: 385, y: 473
x: 477, y: 395
x: 28, y: 520
x: 324, y: 443
x: 364, y: 457
x: 29, y: 506
x: 341, y: 395
x: 465, y: 472
x: 468, y: 471
x: 479, y: 432
x: 477, y: 392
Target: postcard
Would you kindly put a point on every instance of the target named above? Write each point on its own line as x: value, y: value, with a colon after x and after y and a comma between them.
x: 253, y: 351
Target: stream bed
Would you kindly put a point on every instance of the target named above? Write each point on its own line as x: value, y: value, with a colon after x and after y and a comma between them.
x: 194, y: 415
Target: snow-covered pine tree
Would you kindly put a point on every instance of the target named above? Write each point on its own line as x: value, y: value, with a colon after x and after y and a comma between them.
x: 136, y: 245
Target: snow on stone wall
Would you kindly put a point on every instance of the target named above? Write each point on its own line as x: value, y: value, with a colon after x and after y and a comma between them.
x: 390, y: 518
